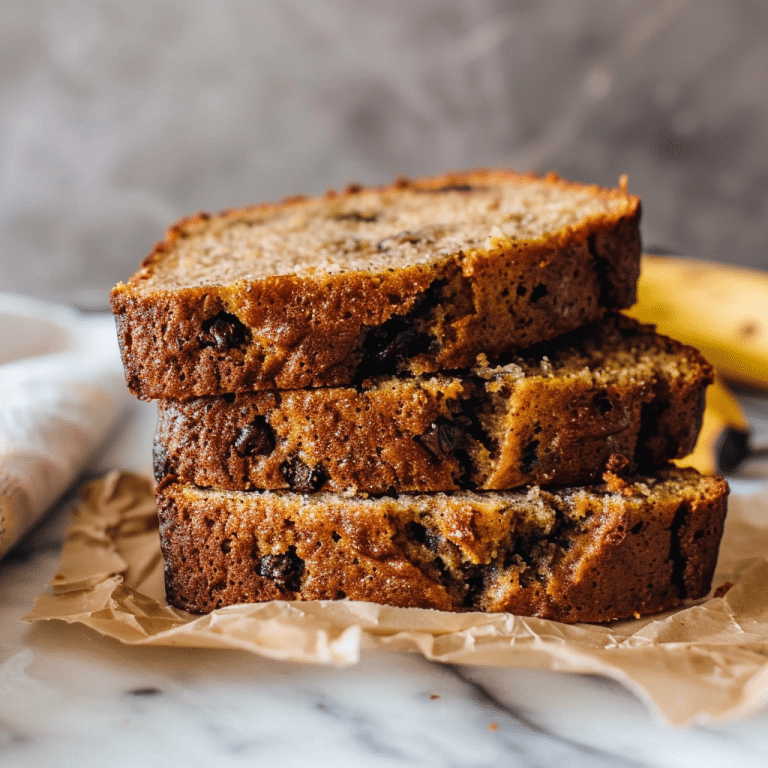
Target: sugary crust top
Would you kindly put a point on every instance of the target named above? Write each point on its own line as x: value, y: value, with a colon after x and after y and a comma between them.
x: 374, y: 230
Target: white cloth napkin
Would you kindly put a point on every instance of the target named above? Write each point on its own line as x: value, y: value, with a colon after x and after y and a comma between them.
x: 62, y: 390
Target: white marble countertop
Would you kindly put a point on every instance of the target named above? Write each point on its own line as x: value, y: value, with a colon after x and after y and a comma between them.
x: 69, y: 697
x: 118, y: 118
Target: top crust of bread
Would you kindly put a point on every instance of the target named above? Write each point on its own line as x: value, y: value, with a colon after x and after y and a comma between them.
x: 479, y: 261
x: 376, y: 229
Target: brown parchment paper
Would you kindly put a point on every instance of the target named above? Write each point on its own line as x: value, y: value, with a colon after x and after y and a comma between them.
x: 705, y: 662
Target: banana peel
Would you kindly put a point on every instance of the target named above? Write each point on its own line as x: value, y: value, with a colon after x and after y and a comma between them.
x: 723, y: 441
x: 723, y: 311
x: 717, y: 308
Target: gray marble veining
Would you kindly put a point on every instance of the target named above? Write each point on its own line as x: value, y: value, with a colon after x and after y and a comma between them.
x: 69, y: 697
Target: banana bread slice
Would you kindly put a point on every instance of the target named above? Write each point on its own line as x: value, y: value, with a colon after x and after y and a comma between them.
x: 557, y: 414
x: 416, y: 277
x: 611, y: 551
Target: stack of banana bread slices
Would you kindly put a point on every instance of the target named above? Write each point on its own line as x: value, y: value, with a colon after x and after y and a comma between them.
x: 422, y: 395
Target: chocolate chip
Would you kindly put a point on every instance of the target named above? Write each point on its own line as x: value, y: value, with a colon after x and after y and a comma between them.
x: 442, y: 437
x: 255, y: 439
x: 449, y: 435
x: 408, y: 344
x: 530, y: 457
x: 301, y: 477
x: 430, y: 441
x: 285, y: 570
x: 390, y: 346
x: 388, y: 350
x: 223, y: 331
x: 539, y: 292
x: 422, y: 535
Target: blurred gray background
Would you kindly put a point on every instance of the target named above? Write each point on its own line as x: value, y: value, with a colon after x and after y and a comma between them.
x: 118, y: 117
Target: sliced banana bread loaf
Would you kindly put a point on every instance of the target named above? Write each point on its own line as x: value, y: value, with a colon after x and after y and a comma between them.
x: 557, y: 414
x: 596, y: 553
x: 416, y: 277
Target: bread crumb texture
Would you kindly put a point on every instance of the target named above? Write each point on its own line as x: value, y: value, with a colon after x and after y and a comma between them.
x: 613, y: 396
x: 571, y: 554
x: 415, y: 277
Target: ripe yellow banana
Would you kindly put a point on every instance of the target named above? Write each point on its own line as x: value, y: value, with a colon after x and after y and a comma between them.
x: 720, y: 309
x: 723, y: 311
x: 724, y: 438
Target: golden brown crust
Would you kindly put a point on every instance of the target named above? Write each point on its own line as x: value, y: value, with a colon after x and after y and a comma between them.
x: 188, y: 225
x: 327, y: 328
x: 563, y: 413
x: 574, y: 554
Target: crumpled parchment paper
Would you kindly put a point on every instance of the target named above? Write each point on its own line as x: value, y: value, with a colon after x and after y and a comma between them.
x: 705, y: 662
